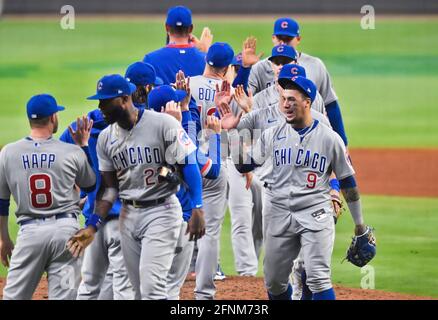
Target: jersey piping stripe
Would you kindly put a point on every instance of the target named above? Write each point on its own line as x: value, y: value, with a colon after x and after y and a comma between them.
x: 206, y: 168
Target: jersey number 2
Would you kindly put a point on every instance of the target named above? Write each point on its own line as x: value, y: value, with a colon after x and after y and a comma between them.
x: 40, y: 186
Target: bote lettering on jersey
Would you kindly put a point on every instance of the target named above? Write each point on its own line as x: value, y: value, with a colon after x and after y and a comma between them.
x: 302, y: 158
x: 136, y: 156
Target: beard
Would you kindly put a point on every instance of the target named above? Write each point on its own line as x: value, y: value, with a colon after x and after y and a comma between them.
x: 117, y: 114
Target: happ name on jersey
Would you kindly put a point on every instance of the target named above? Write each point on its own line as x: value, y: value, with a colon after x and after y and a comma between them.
x: 38, y: 160
x: 135, y: 156
x: 283, y: 156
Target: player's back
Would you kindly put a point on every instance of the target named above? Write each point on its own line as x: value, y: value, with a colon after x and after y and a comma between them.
x: 317, y: 72
x: 168, y: 60
x: 41, y: 175
x: 203, y: 90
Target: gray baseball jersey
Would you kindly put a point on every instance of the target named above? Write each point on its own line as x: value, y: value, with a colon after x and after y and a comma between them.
x: 41, y: 176
x: 260, y: 120
x: 203, y: 90
x: 262, y: 76
x: 270, y: 96
x: 156, y: 140
x: 302, y: 163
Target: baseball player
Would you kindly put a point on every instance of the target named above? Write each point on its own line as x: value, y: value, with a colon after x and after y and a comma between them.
x: 103, y: 260
x: 41, y: 173
x: 165, y: 99
x: 143, y: 75
x: 258, y: 121
x: 239, y: 196
x: 283, y: 55
x: 180, y: 53
x: 287, y: 31
x: 303, y: 153
x: 136, y: 153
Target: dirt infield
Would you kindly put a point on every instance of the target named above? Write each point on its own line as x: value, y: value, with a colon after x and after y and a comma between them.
x: 397, y: 172
x: 250, y: 288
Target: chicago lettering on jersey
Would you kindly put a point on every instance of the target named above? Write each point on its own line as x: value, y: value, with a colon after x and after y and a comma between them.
x: 38, y: 160
x: 302, y: 158
x: 134, y: 156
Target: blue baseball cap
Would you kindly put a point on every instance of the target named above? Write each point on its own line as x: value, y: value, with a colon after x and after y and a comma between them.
x: 291, y: 70
x: 237, y: 60
x: 159, y: 96
x: 141, y: 74
x: 179, y: 16
x: 283, y: 50
x: 41, y: 106
x: 220, y: 54
x: 286, y: 27
x: 306, y: 85
x: 113, y: 86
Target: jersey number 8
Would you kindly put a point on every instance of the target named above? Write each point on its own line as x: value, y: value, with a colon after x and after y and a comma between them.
x: 40, y: 186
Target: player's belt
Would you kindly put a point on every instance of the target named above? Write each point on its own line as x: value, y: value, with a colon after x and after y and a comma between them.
x: 144, y: 204
x: 54, y: 217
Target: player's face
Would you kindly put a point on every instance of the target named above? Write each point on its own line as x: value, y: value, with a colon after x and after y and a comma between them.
x: 112, y: 109
x: 293, y: 105
x: 292, y: 43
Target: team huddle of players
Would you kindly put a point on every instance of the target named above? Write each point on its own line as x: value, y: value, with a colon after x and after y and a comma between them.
x: 188, y: 132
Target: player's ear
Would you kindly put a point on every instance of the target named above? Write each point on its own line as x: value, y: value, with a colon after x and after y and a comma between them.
x: 274, y: 40
x: 191, y: 29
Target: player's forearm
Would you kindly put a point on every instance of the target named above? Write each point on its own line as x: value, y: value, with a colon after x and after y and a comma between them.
x: 352, y: 197
x: 210, y: 164
x: 192, y: 177
x: 335, y: 117
x: 242, y: 78
x: 4, y: 230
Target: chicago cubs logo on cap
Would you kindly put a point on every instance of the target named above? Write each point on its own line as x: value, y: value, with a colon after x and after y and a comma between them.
x: 284, y: 24
x: 280, y: 49
x: 294, y: 70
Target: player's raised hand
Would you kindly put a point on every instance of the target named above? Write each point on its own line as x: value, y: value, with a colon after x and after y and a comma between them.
x: 183, y: 83
x: 6, y: 247
x: 196, y: 225
x: 228, y: 119
x: 223, y: 94
x: 243, y: 100
x: 214, y: 124
x: 205, y: 41
x: 172, y: 108
x: 249, y: 55
x: 79, y: 241
x: 83, y: 130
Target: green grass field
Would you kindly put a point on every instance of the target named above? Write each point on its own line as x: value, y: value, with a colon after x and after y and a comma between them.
x: 386, y: 80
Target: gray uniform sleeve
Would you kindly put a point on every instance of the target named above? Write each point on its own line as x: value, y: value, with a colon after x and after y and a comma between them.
x: 253, y: 82
x: 246, y: 122
x: 105, y: 163
x: 263, y: 147
x: 341, y: 162
x: 5, y: 192
x: 85, y: 177
x: 326, y: 87
x: 318, y: 103
x: 177, y: 142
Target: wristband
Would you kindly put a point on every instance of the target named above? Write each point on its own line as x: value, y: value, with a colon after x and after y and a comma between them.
x: 95, y: 221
